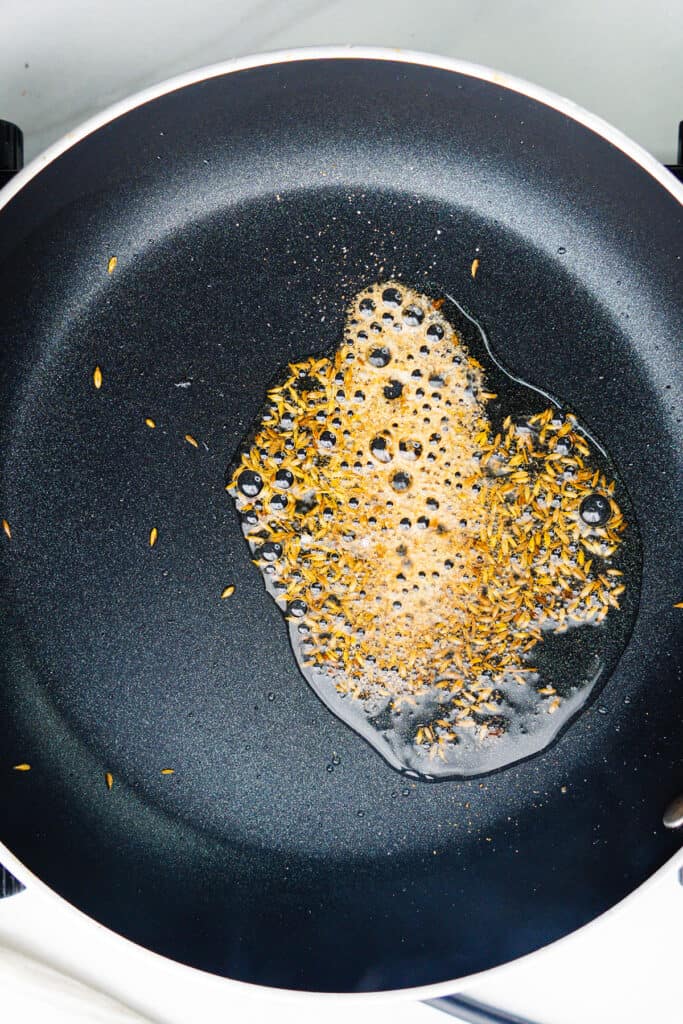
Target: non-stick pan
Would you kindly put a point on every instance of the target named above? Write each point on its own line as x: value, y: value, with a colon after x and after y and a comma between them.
x: 245, y: 205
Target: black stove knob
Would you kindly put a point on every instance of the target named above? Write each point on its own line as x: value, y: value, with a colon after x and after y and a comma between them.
x: 9, y: 886
x: 677, y: 168
x: 11, y: 150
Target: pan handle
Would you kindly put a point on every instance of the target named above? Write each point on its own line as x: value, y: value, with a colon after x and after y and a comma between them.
x: 473, y: 1012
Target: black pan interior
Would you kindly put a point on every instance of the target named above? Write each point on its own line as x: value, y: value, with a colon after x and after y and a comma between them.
x: 245, y: 211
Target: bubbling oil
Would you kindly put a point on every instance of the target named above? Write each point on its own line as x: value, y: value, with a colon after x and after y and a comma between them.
x: 449, y: 557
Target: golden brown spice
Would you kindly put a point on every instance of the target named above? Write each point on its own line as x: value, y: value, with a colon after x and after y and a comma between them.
x: 420, y: 550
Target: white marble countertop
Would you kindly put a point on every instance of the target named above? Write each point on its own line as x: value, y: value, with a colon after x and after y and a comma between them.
x: 62, y: 61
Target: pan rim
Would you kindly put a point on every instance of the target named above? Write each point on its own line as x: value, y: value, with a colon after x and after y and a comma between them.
x: 420, y: 992
x: 633, y: 150
x: 574, y: 112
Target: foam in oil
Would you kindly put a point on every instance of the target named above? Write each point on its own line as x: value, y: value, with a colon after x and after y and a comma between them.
x: 454, y: 554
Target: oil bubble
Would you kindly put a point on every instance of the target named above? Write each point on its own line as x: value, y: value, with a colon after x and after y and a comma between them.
x: 410, y: 448
x: 250, y: 483
x: 270, y: 551
x: 297, y: 608
x: 284, y: 478
x: 392, y: 297
x: 413, y: 315
x: 595, y: 509
x: 379, y: 447
x: 392, y: 390
x: 380, y: 356
x: 327, y: 439
x: 401, y: 481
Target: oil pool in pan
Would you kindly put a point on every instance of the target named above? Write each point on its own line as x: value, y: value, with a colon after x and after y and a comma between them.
x: 448, y: 557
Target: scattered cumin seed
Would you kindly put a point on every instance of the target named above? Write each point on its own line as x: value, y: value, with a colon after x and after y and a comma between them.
x: 153, y: 536
x: 97, y: 378
x: 109, y: 779
x: 192, y: 440
x: 111, y: 265
x: 6, y: 529
x: 23, y: 767
x: 227, y: 592
x: 150, y: 423
x: 475, y: 267
x: 168, y: 771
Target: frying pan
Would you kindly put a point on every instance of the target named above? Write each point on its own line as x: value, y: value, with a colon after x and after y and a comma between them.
x: 246, y: 204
